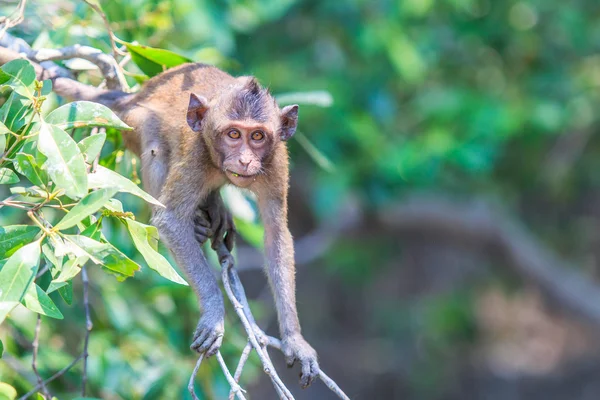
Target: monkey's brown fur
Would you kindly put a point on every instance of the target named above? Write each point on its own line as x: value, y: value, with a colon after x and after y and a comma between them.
x: 186, y: 160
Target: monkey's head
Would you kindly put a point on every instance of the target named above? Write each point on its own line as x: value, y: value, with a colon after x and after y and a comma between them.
x: 242, y: 126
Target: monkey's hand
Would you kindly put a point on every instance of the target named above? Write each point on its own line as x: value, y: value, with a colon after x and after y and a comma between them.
x: 295, y: 348
x: 213, y: 220
x: 209, y: 334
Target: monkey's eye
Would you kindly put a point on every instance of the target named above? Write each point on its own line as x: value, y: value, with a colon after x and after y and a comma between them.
x: 257, y: 136
x: 234, y: 134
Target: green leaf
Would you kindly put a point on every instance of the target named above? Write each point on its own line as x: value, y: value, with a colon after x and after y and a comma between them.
x: 65, y: 163
x: 93, y: 231
x: 114, y: 205
x: 53, y: 286
x: 2, y: 142
x: 13, y: 237
x: 26, y: 165
x: 66, y: 292
x: 7, y: 392
x: 18, y: 272
x: 69, y: 270
x: 86, y: 206
x: 105, y: 178
x: 38, y: 301
x: 105, y: 254
x: 145, y: 238
x: 5, y: 308
x: 15, y: 112
x: 91, y: 146
x: 153, y: 61
x: 7, y: 176
x: 320, y: 98
x: 1, y: 349
x: 50, y: 257
x: 20, y: 75
x: 79, y: 114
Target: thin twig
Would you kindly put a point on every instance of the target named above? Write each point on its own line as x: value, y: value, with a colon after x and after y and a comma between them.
x: 226, y: 265
x: 240, y: 367
x: 111, y: 34
x: 194, y: 373
x: 330, y: 383
x: 36, y: 346
x: 234, y: 385
x: 53, y: 377
x: 88, y: 327
x: 10, y: 22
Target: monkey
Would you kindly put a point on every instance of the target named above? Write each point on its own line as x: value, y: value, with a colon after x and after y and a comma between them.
x: 195, y: 129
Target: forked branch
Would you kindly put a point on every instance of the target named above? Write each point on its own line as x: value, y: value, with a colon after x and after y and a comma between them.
x: 237, y: 297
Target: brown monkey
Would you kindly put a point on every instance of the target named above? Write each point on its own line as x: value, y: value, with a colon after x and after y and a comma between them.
x: 197, y: 128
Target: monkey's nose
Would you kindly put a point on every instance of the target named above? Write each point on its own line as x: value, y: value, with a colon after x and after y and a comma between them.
x: 245, y: 164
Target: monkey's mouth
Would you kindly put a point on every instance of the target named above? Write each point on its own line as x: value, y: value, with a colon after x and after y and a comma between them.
x: 241, y: 176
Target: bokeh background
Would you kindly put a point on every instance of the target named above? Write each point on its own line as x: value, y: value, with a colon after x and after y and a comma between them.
x: 434, y: 201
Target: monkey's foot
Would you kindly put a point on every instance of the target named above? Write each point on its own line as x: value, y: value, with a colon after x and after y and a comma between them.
x: 208, y: 336
x: 295, y: 348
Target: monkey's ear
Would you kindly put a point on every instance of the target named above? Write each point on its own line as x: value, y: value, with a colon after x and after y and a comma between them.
x: 196, y: 111
x: 289, y: 121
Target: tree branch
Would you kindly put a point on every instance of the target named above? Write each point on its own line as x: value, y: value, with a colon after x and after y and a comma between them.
x: 237, y: 297
x: 88, y: 327
x: 481, y: 225
x: 36, y: 345
x: 107, y: 64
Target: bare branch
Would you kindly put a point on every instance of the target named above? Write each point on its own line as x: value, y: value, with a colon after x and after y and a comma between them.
x: 482, y: 226
x: 194, y: 373
x: 36, y: 345
x: 239, y: 392
x: 15, y: 18
x: 330, y: 383
x: 53, y: 377
x: 111, y: 34
x: 108, y: 66
x: 88, y: 327
x: 240, y: 367
x: 235, y: 293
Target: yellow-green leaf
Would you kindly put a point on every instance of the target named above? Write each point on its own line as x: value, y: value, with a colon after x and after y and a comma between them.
x: 7, y: 176
x: 65, y: 163
x: 18, y: 272
x: 145, y: 238
x: 38, y: 301
x: 13, y: 237
x: 86, y: 206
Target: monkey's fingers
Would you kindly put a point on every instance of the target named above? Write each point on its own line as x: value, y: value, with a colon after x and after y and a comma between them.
x: 310, y: 370
x: 202, y: 233
x: 213, y: 340
x: 199, y: 339
x: 212, y: 350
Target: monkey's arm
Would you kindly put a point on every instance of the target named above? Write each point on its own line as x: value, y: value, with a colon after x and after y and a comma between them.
x: 279, y: 249
x: 176, y: 226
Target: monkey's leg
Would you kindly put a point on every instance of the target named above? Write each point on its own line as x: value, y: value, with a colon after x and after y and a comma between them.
x: 279, y: 249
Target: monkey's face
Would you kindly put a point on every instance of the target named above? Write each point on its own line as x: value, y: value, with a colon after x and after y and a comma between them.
x: 243, y: 147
